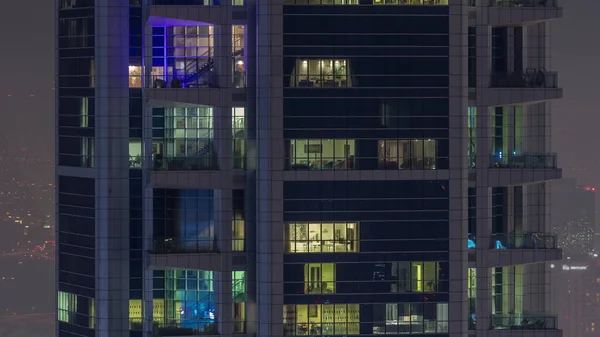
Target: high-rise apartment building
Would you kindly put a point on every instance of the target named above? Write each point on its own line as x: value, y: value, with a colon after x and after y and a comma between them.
x: 304, y: 167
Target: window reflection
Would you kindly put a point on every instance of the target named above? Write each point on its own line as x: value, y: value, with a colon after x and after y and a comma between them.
x: 319, y: 278
x: 321, y: 73
x: 321, y: 319
x: 321, y: 237
x: 322, y: 154
x: 410, y: 318
x: 417, y: 154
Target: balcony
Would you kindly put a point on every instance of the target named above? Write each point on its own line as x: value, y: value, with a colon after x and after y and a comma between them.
x: 522, y: 88
x: 524, y: 3
x: 176, y: 246
x: 528, y: 321
x: 199, y: 162
x: 517, y: 12
x: 197, y: 2
x: 507, y: 249
x: 173, y: 253
x: 524, y: 161
x: 523, y: 241
x: 531, y: 78
x: 186, y: 329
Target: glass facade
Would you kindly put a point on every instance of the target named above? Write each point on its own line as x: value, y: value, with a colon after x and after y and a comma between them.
x: 295, y: 181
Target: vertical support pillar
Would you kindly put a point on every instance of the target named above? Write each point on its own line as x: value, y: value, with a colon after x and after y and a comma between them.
x: 269, y: 180
x: 112, y: 167
x: 458, y: 308
x: 222, y: 109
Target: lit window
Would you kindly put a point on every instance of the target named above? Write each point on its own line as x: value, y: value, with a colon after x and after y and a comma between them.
x: 321, y: 237
x: 410, y: 318
x: 321, y: 73
x: 321, y: 319
x: 321, y: 154
x: 135, y: 76
x: 239, y: 232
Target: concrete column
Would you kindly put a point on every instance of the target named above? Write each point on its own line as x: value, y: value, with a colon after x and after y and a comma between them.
x: 510, y: 210
x: 224, y: 77
x: 223, y: 302
x: 458, y: 308
x: 112, y: 167
x: 223, y: 221
x: 269, y: 181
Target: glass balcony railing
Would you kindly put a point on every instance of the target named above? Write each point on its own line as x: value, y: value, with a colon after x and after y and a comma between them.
x: 198, y: 2
x: 524, y: 322
x: 531, y: 78
x: 524, y: 3
x: 185, y: 163
x: 176, y: 246
x: 523, y: 241
x: 185, y: 329
x: 524, y: 161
